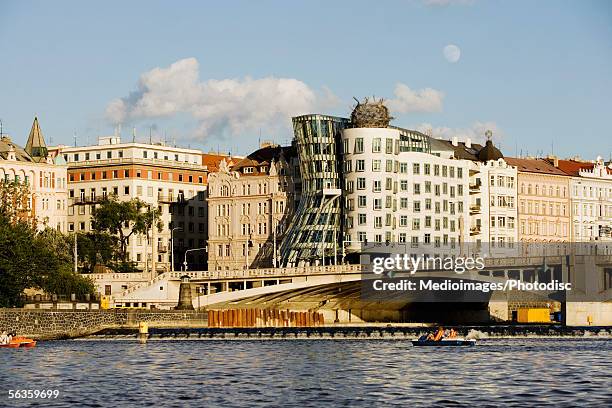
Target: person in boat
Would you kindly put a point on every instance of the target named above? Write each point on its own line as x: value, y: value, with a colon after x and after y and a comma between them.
x: 4, y: 338
x: 439, y: 334
x: 452, y: 334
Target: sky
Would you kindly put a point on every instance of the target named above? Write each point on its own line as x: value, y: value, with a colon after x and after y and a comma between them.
x: 225, y: 75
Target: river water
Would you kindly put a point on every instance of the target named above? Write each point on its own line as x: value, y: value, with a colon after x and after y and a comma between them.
x: 310, y: 373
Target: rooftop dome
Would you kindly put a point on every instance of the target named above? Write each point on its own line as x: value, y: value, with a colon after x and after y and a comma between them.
x: 370, y: 114
x: 489, y: 152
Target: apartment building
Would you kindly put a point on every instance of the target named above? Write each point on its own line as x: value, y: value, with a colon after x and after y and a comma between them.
x: 493, y: 215
x: 169, y: 178
x: 45, y: 176
x: 250, y: 204
x: 543, y: 201
x: 402, y: 188
x: 591, y: 198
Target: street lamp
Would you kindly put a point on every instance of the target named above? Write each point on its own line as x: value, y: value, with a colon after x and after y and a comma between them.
x: 172, y: 246
x: 191, y: 250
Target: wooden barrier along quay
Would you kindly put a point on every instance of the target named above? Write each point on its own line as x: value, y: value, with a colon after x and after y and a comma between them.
x: 263, y: 318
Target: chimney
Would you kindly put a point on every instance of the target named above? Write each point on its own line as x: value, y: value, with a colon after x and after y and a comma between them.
x: 556, y: 161
x: 455, y: 141
x: 468, y: 143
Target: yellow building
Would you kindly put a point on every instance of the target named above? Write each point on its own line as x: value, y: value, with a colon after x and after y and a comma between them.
x: 543, y: 201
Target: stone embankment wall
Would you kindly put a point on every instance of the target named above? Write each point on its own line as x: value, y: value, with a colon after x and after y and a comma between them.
x: 55, y: 324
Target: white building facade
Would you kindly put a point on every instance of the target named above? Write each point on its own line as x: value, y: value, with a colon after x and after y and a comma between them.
x: 46, y: 178
x: 591, y: 202
x: 168, y: 178
x: 395, y: 193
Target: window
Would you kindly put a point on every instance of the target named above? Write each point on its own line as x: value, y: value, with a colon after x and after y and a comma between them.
x: 378, y: 204
x: 417, y: 188
x: 389, y: 166
x: 376, y: 186
x: 376, y: 145
x: 417, y: 206
x: 361, y: 183
x: 375, y: 165
x: 362, y: 219
x: 362, y: 201
x: 358, y: 145
x: 416, y: 168
x: 360, y: 165
x: 377, y: 222
x: 348, y: 166
x: 389, y: 146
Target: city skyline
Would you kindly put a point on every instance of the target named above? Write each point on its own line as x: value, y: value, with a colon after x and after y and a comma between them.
x: 537, y: 88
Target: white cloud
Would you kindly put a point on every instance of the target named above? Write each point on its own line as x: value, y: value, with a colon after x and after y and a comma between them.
x: 476, y: 132
x: 235, y: 106
x: 407, y: 100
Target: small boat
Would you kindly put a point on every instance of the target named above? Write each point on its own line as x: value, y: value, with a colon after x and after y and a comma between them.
x: 10, y: 345
x: 17, y: 342
x: 24, y: 342
x: 444, y: 342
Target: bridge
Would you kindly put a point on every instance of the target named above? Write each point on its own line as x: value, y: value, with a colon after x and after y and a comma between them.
x: 336, y: 290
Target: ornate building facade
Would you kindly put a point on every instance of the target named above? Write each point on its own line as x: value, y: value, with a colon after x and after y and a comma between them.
x: 45, y: 176
x: 250, y: 205
x: 591, y: 198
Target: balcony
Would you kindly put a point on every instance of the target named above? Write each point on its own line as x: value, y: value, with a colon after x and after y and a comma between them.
x: 475, y: 188
x: 162, y: 249
x: 85, y: 200
x: 165, y: 198
x: 474, y: 209
x: 475, y: 230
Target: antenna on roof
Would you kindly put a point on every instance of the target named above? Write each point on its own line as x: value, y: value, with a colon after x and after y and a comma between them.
x: 552, y: 147
x: 516, y: 147
x: 134, y: 134
x: 0, y: 128
x: 75, y: 139
x: 150, y: 137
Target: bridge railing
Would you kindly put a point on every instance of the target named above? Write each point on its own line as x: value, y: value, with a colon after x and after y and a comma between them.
x: 267, y: 272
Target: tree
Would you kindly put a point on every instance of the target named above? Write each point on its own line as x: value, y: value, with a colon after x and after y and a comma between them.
x: 37, y: 260
x: 15, y: 201
x: 122, y: 219
x: 96, y: 248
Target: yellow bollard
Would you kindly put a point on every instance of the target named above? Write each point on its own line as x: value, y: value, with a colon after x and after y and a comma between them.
x: 143, y: 332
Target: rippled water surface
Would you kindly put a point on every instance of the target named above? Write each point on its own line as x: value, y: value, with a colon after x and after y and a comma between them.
x: 517, y: 372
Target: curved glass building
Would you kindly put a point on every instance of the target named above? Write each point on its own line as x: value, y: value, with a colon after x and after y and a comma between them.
x: 317, y: 224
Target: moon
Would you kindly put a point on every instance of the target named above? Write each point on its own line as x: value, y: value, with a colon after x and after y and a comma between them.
x: 452, y: 53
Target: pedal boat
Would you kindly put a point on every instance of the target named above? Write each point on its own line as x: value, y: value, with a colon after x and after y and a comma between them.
x: 458, y: 342
x: 20, y: 342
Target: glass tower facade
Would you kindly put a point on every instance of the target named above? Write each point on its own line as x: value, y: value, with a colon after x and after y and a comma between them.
x: 315, y: 231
